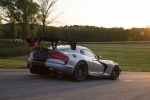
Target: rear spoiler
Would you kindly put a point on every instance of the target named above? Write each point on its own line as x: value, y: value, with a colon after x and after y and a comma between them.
x: 36, y: 42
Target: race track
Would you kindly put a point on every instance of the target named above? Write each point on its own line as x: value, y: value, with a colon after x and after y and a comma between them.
x: 19, y: 84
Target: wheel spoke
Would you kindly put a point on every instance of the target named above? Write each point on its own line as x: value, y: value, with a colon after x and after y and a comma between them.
x: 115, y: 73
x: 79, y: 74
x: 80, y: 71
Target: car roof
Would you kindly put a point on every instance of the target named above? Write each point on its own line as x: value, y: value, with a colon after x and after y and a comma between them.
x: 67, y: 47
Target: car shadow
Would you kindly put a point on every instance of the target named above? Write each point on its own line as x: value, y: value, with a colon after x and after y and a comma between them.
x: 69, y: 79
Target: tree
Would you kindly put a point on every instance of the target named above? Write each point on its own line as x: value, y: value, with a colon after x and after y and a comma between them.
x: 26, y: 10
x: 1, y: 33
x: 33, y: 25
x: 47, y: 9
x: 8, y: 14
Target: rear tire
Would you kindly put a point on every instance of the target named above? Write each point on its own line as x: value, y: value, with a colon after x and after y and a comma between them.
x: 115, y: 73
x: 80, y: 72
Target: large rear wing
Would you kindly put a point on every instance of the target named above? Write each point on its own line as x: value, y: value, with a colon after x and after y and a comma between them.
x: 36, y: 42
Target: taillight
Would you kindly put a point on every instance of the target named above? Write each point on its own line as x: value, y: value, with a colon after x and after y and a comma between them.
x: 59, y: 56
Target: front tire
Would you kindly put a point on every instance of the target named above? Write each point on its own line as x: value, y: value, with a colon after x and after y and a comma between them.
x: 80, y: 72
x: 115, y: 73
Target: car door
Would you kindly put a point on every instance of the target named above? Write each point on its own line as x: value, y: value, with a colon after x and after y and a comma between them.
x: 94, y: 66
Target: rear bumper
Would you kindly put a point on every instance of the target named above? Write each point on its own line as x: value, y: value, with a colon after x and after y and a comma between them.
x: 43, y: 66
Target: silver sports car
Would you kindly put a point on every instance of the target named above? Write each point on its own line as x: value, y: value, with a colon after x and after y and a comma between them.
x: 72, y: 60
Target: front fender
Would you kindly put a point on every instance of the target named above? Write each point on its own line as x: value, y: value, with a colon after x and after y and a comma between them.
x: 109, y: 62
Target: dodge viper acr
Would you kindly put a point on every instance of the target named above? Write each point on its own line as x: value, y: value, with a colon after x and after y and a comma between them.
x: 72, y: 60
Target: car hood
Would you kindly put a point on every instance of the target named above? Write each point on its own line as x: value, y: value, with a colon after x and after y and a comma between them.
x: 108, y: 62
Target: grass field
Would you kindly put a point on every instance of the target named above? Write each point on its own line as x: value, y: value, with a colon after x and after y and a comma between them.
x: 14, y: 62
x: 13, y: 56
x: 130, y: 57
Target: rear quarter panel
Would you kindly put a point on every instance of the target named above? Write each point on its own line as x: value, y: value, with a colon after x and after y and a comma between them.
x: 74, y: 60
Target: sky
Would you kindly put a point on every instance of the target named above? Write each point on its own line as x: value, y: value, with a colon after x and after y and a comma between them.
x: 104, y: 13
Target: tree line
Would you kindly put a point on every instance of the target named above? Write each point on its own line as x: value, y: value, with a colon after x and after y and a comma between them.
x: 84, y: 33
x: 28, y: 18
x: 97, y: 34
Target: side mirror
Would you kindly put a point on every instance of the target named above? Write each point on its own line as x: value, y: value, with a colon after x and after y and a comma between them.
x: 98, y: 57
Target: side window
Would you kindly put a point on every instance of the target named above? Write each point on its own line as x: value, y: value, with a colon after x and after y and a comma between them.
x: 89, y: 54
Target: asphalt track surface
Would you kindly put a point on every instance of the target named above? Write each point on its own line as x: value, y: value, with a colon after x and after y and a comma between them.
x: 19, y: 84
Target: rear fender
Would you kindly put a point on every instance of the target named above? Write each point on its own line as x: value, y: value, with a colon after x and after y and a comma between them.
x: 75, y: 58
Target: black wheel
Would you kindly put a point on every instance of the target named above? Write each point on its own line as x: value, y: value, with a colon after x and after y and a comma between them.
x: 80, y: 72
x: 115, y: 73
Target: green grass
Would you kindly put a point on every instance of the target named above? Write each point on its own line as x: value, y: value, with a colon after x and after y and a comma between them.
x: 14, y: 62
x: 128, y: 56
x: 13, y: 56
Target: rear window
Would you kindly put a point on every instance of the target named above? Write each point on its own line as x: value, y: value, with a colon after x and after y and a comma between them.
x: 62, y: 47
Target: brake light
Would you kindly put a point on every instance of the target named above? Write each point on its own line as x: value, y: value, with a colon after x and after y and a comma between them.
x: 59, y: 56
